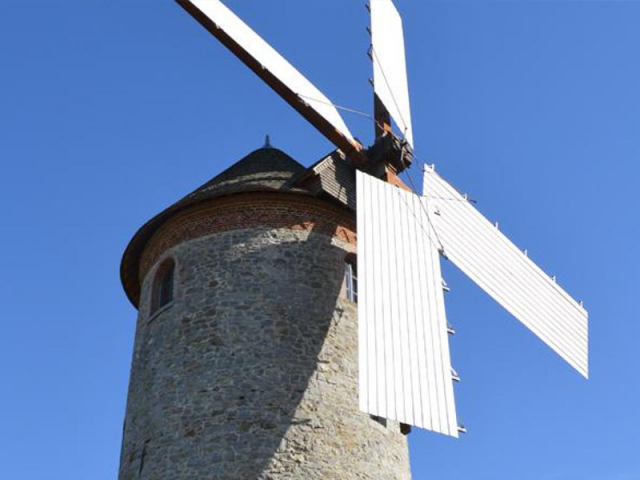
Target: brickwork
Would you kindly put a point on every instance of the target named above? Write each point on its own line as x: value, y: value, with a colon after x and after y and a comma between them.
x: 276, y: 210
x: 251, y: 372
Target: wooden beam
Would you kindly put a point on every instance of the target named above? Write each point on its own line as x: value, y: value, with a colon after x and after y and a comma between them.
x: 394, y: 179
x: 352, y: 149
x: 382, y: 117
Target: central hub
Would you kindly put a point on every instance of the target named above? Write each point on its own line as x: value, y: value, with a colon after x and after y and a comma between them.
x: 388, y: 153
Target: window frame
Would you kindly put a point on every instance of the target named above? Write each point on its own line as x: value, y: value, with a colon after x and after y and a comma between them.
x: 351, y: 279
x: 163, y: 288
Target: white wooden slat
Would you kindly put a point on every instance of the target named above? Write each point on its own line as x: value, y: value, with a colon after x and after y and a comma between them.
x: 405, y: 368
x: 403, y: 393
x: 425, y: 374
x: 363, y: 332
x: 395, y: 395
x: 373, y: 308
x: 390, y: 355
x: 412, y: 396
x: 430, y: 311
x: 442, y: 371
x: 389, y: 64
x: 271, y: 60
x: 378, y: 325
x: 443, y: 332
x: 509, y: 276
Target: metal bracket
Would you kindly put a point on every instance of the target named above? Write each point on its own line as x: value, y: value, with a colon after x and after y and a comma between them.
x: 469, y: 199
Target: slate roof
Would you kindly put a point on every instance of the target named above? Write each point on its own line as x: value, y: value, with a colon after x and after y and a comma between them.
x: 264, y: 169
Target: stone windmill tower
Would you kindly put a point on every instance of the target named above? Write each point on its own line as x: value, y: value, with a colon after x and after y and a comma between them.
x: 245, y: 362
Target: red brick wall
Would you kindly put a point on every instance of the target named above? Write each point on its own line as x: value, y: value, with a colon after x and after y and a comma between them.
x: 250, y: 210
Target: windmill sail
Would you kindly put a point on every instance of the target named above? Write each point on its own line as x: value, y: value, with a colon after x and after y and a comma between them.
x: 389, y: 64
x: 276, y: 71
x: 404, y: 363
x: 493, y: 262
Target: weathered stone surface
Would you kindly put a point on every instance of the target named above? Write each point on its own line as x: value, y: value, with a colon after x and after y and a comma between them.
x: 251, y: 372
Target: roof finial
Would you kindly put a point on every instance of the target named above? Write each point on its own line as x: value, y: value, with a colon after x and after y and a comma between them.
x: 267, y: 142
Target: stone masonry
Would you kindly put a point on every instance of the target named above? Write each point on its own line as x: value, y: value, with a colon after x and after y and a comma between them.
x: 251, y: 371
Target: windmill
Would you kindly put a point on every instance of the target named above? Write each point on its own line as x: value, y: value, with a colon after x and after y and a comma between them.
x: 405, y: 371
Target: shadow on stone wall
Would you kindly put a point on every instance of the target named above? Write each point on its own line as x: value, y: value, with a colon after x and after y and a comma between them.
x: 218, y: 378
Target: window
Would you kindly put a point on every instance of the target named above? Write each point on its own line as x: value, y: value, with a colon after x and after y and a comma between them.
x: 163, y: 286
x: 351, y: 279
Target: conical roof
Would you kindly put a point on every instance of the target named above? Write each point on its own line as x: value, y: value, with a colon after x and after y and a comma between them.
x: 265, y: 169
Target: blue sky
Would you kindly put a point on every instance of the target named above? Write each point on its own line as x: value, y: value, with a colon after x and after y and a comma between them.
x: 111, y: 110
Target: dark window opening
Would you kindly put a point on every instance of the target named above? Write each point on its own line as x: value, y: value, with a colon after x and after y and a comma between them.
x: 163, y: 286
x: 351, y: 279
x: 405, y: 429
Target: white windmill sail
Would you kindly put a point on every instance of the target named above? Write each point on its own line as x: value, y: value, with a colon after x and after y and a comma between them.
x: 507, y: 274
x: 271, y: 67
x: 389, y: 64
x: 404, y: 363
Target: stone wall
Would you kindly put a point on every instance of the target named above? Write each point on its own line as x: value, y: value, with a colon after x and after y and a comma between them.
x: 248, y: 210
x: 251, y: 371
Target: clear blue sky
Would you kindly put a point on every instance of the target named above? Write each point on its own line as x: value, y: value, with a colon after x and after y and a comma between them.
x: 111, y: 110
